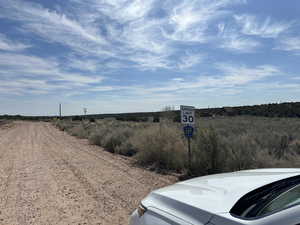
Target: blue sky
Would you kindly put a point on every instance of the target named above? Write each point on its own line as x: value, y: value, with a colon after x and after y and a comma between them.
x: 142, y: 55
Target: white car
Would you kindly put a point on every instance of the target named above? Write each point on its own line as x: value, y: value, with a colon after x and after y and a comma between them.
x: 258, y: 197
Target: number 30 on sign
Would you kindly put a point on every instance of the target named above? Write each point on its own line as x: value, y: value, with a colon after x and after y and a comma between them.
x: 187, y: 114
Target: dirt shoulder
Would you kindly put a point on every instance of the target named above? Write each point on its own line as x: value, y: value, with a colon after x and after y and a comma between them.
x: 49, y: 177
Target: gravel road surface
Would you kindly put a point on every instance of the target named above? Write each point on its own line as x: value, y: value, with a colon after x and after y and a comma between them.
x: 48, y: 177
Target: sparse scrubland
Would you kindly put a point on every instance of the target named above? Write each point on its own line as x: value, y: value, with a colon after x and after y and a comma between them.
x: 220, y: 144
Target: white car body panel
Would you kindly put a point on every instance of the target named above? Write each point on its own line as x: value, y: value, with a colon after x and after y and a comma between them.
x: 198, y: 200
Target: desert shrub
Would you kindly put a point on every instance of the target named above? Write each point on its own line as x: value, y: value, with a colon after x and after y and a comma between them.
x: 115, y: 138
x: 208, y: 152
x: 79, y: 131
x: 161, y: 147
x: 97, y: 135
x: 241, y: 152
x: 63, y: 125
x: 95, y: 138
x: 126, y: 148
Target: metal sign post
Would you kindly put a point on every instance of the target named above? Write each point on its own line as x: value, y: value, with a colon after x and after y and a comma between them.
x: 188, y: 120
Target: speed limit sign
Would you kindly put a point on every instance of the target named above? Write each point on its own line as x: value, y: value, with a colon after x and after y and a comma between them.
x: 187, y: 115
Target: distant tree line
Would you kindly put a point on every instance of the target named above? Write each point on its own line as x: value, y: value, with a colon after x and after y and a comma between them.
x: 288, y: 109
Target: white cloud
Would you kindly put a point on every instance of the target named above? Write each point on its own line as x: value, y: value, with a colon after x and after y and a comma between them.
x: 148, y: 61
x: 26, y: 64
x: 83, y: 64
x: 144, y: 35
x: 289, y: 44
x: 190, y: 20
x: 238, y: 75
x: 251, y: 25
x: 24, y: 72
x: 123, y: 29
x: 240, y: 44
x: 78, y: 79
x: 21, y: 86
x: 9, y: 45
x: 230, y: 76
x: 231, y: 40
x: 123, y: 11
x: 190, y: 60
x: 55, y: 27
x: 134, y: 9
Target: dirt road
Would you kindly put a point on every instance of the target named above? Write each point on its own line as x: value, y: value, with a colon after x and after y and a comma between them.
x: 48, y: 177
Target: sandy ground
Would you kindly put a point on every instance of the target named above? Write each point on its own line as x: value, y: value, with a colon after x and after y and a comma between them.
x: 48, y: 177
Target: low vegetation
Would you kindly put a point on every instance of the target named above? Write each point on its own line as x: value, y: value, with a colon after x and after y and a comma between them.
x: 220, y: 144
x: 4, y: 122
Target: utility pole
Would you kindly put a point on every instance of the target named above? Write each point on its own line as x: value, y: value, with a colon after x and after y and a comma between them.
x: 60, y: 110
x: 84, y: 111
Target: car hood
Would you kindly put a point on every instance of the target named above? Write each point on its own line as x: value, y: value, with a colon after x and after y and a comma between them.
x: 213, y: 194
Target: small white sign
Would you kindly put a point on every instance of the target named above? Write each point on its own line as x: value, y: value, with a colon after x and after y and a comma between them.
x: 187, y: 115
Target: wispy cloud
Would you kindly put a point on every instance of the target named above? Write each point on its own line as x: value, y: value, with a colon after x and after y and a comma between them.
x: 189, y: 60
x: 239, y: 75
x: 231, y: 40
x: 10, y: 45
x: 83, y: 64
x: 289, y: 44
x: 251, y: 25
x: 123, y: 29
x: 189, y: 21
x: 54, y: 26
x: 228, y: 76
x: 31, y: 72
x: 148, y: 61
